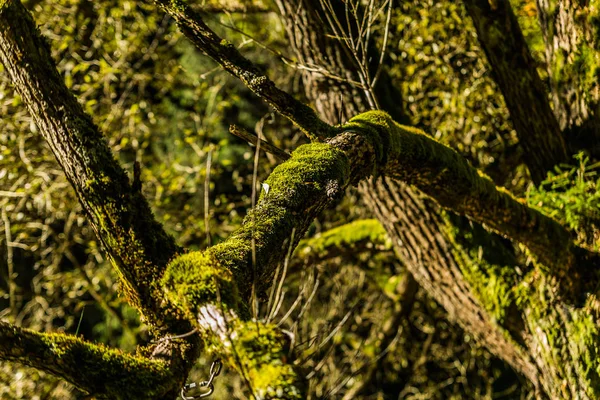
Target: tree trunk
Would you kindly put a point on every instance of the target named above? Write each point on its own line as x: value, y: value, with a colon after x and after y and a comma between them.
x: 515, y: 73
x: 478, y: 280
x: 570, y: 31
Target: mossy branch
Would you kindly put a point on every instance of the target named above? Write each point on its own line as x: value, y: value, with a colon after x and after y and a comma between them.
x: 138, y: 245
x: 225, y: 54
x: 343, y: 241
x: 408, y: 154
x: 216, y: 286
x: 207, y: 293
x: 91, y: 367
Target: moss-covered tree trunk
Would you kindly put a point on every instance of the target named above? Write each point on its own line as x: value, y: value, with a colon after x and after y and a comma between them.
x: 474, y: 279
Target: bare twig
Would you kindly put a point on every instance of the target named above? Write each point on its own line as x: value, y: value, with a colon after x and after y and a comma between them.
x: 253, y: 139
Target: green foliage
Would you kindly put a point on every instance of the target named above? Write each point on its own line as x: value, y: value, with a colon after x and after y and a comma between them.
x: 347, y: 235
x: 571, y: 195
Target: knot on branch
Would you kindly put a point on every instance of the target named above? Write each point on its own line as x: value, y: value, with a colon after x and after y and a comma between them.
x: 376, y: 126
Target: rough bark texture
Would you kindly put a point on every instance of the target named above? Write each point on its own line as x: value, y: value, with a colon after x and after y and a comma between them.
x: 138, y: 246
x: 516, y: 312
x: 470, y: 273
x: 570, y: 30
x: 515, y: 73
x: 415, y: 225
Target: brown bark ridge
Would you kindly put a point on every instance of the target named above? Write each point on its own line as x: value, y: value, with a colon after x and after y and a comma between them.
x: 570, y: 31
x: 415, y: 225
x: 532, y: 332
x: 515, y: 72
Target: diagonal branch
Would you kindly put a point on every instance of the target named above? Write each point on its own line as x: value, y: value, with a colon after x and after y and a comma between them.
x: 408, y: 154
x: 93, y: 368
x: 138, y: 245
x: 224, y: 53
x: 241, y: 6
x: 515, y: 73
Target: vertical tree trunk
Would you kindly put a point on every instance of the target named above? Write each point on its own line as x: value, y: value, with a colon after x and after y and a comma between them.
x: 515, y: 73
x: 416, y: 225
x: 510, y: 308
x: 570, y: 30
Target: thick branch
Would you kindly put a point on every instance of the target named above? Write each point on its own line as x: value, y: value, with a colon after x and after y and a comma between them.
x: 93, y: 368
x: 259, y: 351
x: 137, y: 244
x: 225, y: 53
x: 206, y: 284
x: 408, y: 154
x: 416, y: 226
x: 515, y: 73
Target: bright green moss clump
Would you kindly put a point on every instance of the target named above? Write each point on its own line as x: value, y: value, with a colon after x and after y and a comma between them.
x: 297, y: 191
x: 260, y: 352
x: 347, y: 235
x: 197, y: 278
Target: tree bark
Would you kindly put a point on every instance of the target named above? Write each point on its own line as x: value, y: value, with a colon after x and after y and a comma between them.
x: 90, y: 367
x: 138, y: 246
x: 515, y: 72
x: 520, y: 313
x: 475, y: 280
x: 415, y: 225
x: 570, y: 33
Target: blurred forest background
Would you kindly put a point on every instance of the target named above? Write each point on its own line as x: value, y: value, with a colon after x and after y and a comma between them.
x: 162, y: 103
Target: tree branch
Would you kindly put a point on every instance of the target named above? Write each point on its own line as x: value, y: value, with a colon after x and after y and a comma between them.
x: 121, y: 217
x: 515, y: 73
x: 253, y: 139
x: 226, y: 55
x: 351, y: 238
x: 407, y: 154
x: 93, y: 368
x: 215, y: 286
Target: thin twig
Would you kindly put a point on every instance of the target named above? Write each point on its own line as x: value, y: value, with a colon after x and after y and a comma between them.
x: 253, y: 139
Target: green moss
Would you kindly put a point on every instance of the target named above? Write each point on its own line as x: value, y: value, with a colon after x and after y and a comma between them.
x: 408, y: 154
x: 564, y: 332
x: 584, y: 339
x: 488, y: 266
x: 346, y: 236
x: 298, y: 189
x: 312, y: 165
x: 94, y: 368
x: 194, y: 279
x: 260, y: 351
